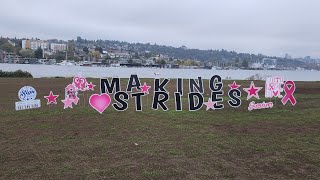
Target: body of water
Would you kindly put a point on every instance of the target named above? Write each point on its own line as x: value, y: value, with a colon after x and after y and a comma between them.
x: 39, y: 71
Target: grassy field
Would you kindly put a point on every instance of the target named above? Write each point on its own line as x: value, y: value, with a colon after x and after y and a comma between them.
x: 79, y: 143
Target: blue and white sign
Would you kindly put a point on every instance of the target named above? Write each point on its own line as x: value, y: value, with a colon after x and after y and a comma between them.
x: 27, y: 95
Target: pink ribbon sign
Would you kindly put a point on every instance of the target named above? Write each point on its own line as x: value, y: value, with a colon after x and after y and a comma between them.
x: 289, y: 88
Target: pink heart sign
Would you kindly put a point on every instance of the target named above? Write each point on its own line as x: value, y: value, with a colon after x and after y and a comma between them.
x: 100, y: 102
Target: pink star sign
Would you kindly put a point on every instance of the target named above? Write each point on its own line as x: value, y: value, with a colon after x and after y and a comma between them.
x: 252, y: 91
x: 51, y: 98
x: 210, y: 104
x: 234, y: 85
x: 145, y: 88
x: 67, y: 103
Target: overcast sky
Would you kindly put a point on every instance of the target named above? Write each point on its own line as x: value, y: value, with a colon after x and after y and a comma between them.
x: 270, y: 27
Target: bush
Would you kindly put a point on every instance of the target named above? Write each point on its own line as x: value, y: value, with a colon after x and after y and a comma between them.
x: 18, y: 73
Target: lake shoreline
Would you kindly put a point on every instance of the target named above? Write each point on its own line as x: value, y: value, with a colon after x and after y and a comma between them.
x: 47, y: 71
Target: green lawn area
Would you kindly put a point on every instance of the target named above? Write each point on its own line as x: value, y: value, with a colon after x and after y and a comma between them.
x: 79, y: 143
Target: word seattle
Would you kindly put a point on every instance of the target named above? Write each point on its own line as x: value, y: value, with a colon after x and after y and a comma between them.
x: 161, y: 95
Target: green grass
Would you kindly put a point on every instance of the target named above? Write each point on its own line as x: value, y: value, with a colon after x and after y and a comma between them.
x: 79, y: 143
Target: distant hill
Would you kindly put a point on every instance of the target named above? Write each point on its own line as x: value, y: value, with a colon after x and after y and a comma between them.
x: 182, y: 53
x: 196, y: 54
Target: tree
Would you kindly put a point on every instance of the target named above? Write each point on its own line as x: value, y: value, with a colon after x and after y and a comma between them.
x: 7, y: 47
x: 86, y: 50
x: 76, y: 58
x: 147, y: 55
x: 27, y: 53
x: 60, y: 55
x: 104, y: 61
x: 79, y: 40
x: 47, y: 56
x: 2, y: 41
x: 161, y: 62
x: 17, y: 49
x: 136, y: 56
x: 99, y: 49
x: 245, y: 63
x: 107, y: 57
x: 96, y: 54
x: 70, y: 50
x: 236, y: 63
x: 38, y: 53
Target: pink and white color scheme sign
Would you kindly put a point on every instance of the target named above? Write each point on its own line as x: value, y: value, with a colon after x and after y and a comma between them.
x: 274, y: 87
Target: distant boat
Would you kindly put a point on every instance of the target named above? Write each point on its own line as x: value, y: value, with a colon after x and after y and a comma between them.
x: 156, y: 73
x: 115, y: 65
x: 86, y: 63
x: 215, y: 68
x: 66, y: 63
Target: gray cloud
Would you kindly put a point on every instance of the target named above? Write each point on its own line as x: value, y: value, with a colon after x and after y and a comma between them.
x: 272, y: 27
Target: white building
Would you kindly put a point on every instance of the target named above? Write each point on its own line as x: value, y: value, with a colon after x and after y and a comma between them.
x: 256, y: 65
x: 58, y: 47
x: 34, y: 44
x: 269, y: 63
x: 150, y: 62
x: 265, y: 63
x: 39, y: 44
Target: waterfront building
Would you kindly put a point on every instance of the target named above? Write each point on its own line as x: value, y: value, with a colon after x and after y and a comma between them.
x: 58, y: 47
x: 34, y: 44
